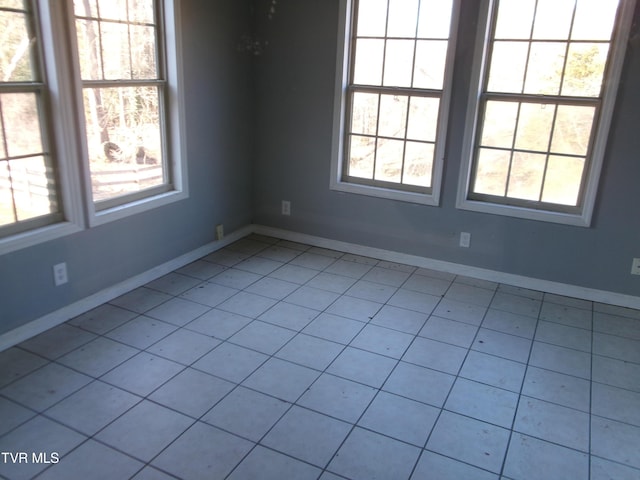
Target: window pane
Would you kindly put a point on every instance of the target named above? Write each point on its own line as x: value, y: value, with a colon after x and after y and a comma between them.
x: 362, y: 152
x: 544, y: 72
x: 33, y: 188
x: 85, y: 8
x: 534, y: 126
x: 17, y: 4
x: 553, y: 19
x: 389, y: 160
x: 372, y: 18
x: 143, y: 52
x: 21, y: 119
x: 113, y: 9
x: 402, y: 18
x: 7, y: 213
x: 115, y: 51
x: 492, y: 172
x: 499, y: 124
x: 525, y: 180
x: 393, y: 116
x: 15, y: 55
x: 138, y: 10
x: 563, y: 179
x: 431, y: 58
x: 141, y: 11
x: 572, y: 131
x: 3, y: 151
x: 594, y: 20
x: 515, y: 19
x: 89, y: 50
x: 368, y: 67
x: 364, y: 117
x: 124, y: 139
x: 423, y: 118
x: 585, y: 69
x: 418, y: 164
x: 398, y: 63
x: 435, y: 18
x: 508, y: 61
x: 26, y: 189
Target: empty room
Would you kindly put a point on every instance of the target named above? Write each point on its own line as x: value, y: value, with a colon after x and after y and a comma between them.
x: 319, y: 239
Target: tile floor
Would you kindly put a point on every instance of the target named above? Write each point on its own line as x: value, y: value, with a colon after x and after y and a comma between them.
x: 275, y: 360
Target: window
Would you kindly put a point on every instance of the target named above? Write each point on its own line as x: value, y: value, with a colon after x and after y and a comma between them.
x: 90, y: 123
x: 395, y: 100
x: 542, y: 93
x: 546, y: 77
x: 28, y: 185
x: 121, y: 67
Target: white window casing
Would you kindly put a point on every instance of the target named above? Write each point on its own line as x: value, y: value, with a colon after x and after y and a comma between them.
x: 582, y: 213
x: 339, y: 180
x: 56, y: 37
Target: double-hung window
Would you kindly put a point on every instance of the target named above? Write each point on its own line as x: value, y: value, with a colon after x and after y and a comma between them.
x: 90, y: 114
x: 545, y: 79
x: 393, y: 98
x: 29, y: 195
x: 121, y: 64
x: 541, y: 95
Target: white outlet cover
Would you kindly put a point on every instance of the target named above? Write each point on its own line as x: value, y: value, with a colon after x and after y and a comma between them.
x: 635, y: 266
x: 286, y: 207
x: 465, y: 239
x: 60, y: 274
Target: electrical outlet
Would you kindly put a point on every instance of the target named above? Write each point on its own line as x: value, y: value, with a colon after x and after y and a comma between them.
x: 465, y: 239
x: 286, y: 207
x: 219, y: 232
x: 635, y: 266
x: 60, y: 276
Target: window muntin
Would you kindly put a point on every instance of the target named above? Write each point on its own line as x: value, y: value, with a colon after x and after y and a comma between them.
x: 121, y: 67
x: 50, y: 84
x: 399, y: 54
x: 539, y: 108
x: 28, y: 186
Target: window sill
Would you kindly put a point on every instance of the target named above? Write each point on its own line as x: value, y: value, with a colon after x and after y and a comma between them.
x: 37, y: 236
x: 577, y: 220
x: 122, y: 211
x: 386, y: 193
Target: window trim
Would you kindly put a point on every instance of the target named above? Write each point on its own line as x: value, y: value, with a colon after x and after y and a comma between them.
x: 64, y: 95
x: 38, y: 87
x: 343, y: 65
x: 173, y: 120
x: 603, y: 120
x: 59, y: 111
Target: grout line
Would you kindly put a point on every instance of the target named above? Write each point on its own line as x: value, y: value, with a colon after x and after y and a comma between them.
x: 520, y: 393
x: 590, y: 431
x: 295, y: 333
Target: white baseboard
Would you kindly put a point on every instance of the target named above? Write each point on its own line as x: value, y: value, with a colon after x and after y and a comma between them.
x: 24, y: 332
x: 557, y: 288
x: 57, y: 317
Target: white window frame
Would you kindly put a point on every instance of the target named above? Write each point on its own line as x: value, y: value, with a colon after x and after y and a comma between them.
x: 173, y: 124
x: 340, y: 110
x: 55, y: 24
x: 622, y: 28
x: 55, y: 64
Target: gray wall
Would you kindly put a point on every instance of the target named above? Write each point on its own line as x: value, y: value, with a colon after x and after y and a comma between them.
x: 218, y: 104
x: 259, y: 131
x: 295, y: 81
